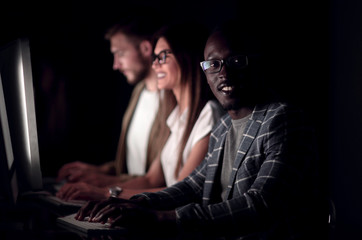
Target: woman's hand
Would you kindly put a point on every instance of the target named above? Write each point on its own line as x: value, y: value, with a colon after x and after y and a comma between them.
x: 82, y: 191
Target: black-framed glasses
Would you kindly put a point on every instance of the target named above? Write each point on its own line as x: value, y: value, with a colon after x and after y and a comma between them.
x: 161, y: 57
x: 215, y: 65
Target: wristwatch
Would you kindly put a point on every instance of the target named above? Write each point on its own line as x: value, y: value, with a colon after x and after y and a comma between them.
x: 115, y: 191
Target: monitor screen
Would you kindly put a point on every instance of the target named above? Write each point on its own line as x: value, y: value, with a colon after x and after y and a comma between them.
x: 18, y: 120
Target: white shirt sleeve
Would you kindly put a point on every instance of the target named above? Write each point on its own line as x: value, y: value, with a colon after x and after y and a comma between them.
x: 208, y: 117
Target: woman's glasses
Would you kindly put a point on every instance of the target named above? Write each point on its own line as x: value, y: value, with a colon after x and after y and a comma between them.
x: 161, y: 57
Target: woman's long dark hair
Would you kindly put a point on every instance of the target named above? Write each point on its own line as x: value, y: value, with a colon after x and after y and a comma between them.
x: 187, y: 42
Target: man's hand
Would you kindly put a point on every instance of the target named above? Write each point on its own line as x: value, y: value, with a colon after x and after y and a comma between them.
x: 93, y: 207
x: 82, y: 191
x: 74, y: 171
x: 126, y: 213
x: 131, y: 214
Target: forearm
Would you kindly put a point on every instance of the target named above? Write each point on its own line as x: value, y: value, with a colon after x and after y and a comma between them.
x: 107, y: 168
x: 170, y: 198
x: 141, y: 183
x: 182, y: 193
x: 128, y: 193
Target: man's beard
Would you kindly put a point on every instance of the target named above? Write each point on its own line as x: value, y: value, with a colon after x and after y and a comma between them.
x: 144, y: 72
x: 247, y: 100
x: 232, y: 106
x: 140, y: 75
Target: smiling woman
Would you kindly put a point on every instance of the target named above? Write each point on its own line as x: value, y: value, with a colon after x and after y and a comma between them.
x: 177, y: 56
x: 167, y: 70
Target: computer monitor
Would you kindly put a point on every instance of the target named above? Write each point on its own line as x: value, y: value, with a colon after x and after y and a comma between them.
x: 8, y: 186
x: 19, y: 144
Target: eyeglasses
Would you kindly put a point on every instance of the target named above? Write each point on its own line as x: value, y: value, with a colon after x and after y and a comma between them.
x: 215, y: 65
x: 161, y: 57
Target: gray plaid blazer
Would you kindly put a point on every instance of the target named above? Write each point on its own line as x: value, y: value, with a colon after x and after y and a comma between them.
x: 270, y: 188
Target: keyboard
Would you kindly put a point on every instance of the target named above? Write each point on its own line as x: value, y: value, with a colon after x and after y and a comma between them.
x: 88, y: 228
x: 48, y: 197
x: 57, y: 201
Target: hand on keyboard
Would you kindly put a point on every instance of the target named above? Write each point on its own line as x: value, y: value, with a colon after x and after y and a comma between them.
x: 92, y: 207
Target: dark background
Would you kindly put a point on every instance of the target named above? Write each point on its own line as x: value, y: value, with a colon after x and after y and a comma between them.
x: 80, y: 100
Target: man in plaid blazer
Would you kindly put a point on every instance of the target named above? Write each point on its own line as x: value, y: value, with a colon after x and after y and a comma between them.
x: 258, y: 178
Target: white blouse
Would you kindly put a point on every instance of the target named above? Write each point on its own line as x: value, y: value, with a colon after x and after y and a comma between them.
x: 208, y: 117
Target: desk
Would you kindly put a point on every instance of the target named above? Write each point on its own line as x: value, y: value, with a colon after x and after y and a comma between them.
x: 31, y: 221
x: 36, y: 221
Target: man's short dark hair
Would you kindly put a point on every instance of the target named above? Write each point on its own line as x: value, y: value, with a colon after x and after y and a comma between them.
x: 137, y: 27
x: 241, y: 36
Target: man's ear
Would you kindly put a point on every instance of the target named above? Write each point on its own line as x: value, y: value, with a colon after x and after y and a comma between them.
x: 146, y: 48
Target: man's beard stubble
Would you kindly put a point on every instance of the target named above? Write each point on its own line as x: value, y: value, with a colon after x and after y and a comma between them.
x: 145, y: 70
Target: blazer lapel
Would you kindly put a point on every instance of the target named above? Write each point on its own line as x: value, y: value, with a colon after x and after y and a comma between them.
x: 215, y: 159
x: 251, y: 130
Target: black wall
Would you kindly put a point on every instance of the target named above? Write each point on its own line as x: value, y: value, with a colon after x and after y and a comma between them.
x: 345, y: 115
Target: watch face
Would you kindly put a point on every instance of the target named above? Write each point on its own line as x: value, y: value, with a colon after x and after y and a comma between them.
x: 115, y: 191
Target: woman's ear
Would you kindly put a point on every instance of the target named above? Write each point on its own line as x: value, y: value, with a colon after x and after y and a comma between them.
x: 146, y: 48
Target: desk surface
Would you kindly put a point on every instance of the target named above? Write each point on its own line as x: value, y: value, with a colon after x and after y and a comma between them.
x: 35, y: 221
